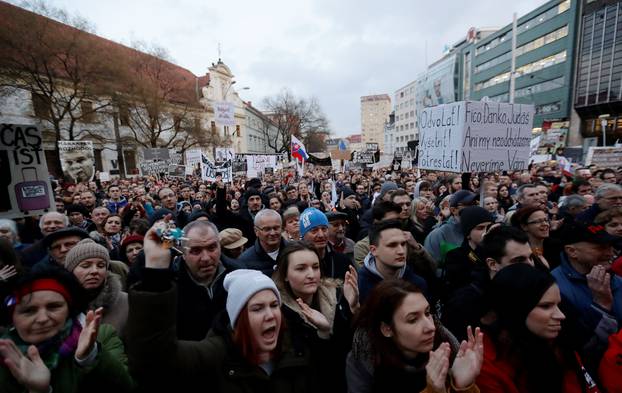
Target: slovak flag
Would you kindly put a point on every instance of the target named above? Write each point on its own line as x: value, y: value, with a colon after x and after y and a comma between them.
x: 299, y: 151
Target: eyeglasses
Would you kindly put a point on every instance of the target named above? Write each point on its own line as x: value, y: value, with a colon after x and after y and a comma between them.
x: 270, y: 229
x: 540, y: 221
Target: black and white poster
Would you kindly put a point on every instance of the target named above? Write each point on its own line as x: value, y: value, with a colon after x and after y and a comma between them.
x: 78, y: 160
x: 25, y: 188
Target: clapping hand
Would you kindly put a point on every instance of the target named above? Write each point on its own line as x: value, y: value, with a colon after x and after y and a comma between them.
x: 29, y: 371
x: 599, y: 282
x: 7, y: 272
x: 468, y: 362
x: 437, y: 367
x: 314, y: 316
x: 351, y: 289
x: 88, y: 336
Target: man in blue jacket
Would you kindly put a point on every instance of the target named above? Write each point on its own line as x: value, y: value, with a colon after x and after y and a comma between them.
x: 591, y: 296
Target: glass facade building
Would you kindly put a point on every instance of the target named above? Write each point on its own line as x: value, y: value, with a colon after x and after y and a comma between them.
x: 545, y: 49
x: 598, y: 80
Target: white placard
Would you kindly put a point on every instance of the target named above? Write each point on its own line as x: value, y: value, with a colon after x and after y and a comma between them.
x: 474, y: 136
x: 104, y: 176
x: 225, y: 113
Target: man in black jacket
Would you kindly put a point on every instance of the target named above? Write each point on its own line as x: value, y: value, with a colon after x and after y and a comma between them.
x: 199, y: 274
x: 264, y: 253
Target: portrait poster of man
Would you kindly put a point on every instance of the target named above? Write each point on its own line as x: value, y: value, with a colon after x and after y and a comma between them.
x: 78, y: 160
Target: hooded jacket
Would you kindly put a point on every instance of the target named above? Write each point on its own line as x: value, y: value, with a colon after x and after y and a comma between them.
x: 369, y: 277
x: 444, y: 238
x: 114, y: 301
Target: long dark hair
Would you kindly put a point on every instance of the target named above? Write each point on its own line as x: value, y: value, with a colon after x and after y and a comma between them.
x: 514, y: 292
x: 379, y: 308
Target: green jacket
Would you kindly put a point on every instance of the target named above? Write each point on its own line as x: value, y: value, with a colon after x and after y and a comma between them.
x: 214, y: 364
x: 109, y: 373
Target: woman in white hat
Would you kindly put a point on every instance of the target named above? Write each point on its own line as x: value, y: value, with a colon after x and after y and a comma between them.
x: 246, y: 349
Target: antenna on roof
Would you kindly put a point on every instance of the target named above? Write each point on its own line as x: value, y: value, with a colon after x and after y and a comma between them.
x: 219, y: 53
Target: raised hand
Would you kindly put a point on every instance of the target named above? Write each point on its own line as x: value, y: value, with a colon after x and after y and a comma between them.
x: 156, y: 255
x: 314, y: 316
x: 437, y: 367
x: 7, y: 272
x: 88, y: 336
x: 351, y: 288
x: 29, y: 371
x: 469, y: 359
x: 599, y: 282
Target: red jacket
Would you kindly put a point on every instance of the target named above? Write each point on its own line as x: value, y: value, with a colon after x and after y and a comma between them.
x: 499, y: 375
x: 610, y: 370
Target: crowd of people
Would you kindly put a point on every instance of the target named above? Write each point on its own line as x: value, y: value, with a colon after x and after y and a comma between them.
x: 365, y: 281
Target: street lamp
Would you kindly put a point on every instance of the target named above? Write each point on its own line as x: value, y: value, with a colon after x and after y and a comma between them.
x: 603, y: 125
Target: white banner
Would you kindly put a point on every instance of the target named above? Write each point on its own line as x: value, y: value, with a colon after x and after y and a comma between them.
x: 225, y: 113
x: 26, y: 189
x: 474, y: 136
x: 209, y: 170
x: 224, y: 154
x: 78, y: 160
x: 256, y: 164
x: 193, y: 161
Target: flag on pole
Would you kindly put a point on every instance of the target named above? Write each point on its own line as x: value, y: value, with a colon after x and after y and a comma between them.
x: 299, y: 151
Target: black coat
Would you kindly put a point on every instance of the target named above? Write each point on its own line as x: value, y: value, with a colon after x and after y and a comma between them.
x: 335, y: 264
x: 257, y: 258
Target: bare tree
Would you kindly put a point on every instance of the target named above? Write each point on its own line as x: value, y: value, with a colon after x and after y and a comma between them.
x: 161, y: 105
x: 291, y: 115
x: 63, y: 67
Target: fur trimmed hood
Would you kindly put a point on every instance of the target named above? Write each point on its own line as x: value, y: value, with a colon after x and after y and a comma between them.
x: 109, y: 293
x: 325, y: 298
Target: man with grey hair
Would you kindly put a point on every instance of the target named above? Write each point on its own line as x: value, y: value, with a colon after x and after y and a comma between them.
x: 572, y: 205
x: 199, y: 273
x: 264, y: 253
x: 8, y: 231
x: 48, y: 223
x: 607, y: 196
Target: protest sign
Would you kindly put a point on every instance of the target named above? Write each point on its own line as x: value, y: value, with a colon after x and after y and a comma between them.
x: 77, y: 159
x: 154, y: 167
x: 473, y: 136
x: 193, y: 162
x: 175, y: 170
x: 256, y: 164
x: 26, y: 189
x: 224, y: 154
x: 225, y: 113
x: 604, y: 157
x: 104, y: 176
x: 156, y: 154
x: 209, y: 170
x: 361, y: 157
x: 371, y: 146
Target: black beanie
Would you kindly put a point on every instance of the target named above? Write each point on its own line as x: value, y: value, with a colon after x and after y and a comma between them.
x: 472, y: 216
x: 347, y: 191
x: 251, y: 192
x: 160, y: 214
x: 514, y: 291
x: 77, y: 208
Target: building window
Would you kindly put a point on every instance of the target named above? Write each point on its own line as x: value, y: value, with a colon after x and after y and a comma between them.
x: 124, y: 115
x: 524, y: 70
x: 88, y: 115
x: 42, y: 106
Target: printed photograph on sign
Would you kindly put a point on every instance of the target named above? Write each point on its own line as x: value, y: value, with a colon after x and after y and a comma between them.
x: 77, y: 160
x: 25, y: 188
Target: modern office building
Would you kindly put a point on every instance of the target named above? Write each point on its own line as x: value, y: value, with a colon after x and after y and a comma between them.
x: 374, y: 112
x: 405, y: 121
x: 545, y: 49
x: 598, y: 78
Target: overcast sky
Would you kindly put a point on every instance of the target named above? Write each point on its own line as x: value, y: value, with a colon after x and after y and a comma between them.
x: 334, y: 50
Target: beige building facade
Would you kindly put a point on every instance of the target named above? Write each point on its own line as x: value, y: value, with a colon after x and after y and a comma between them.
x: 375, y: 110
